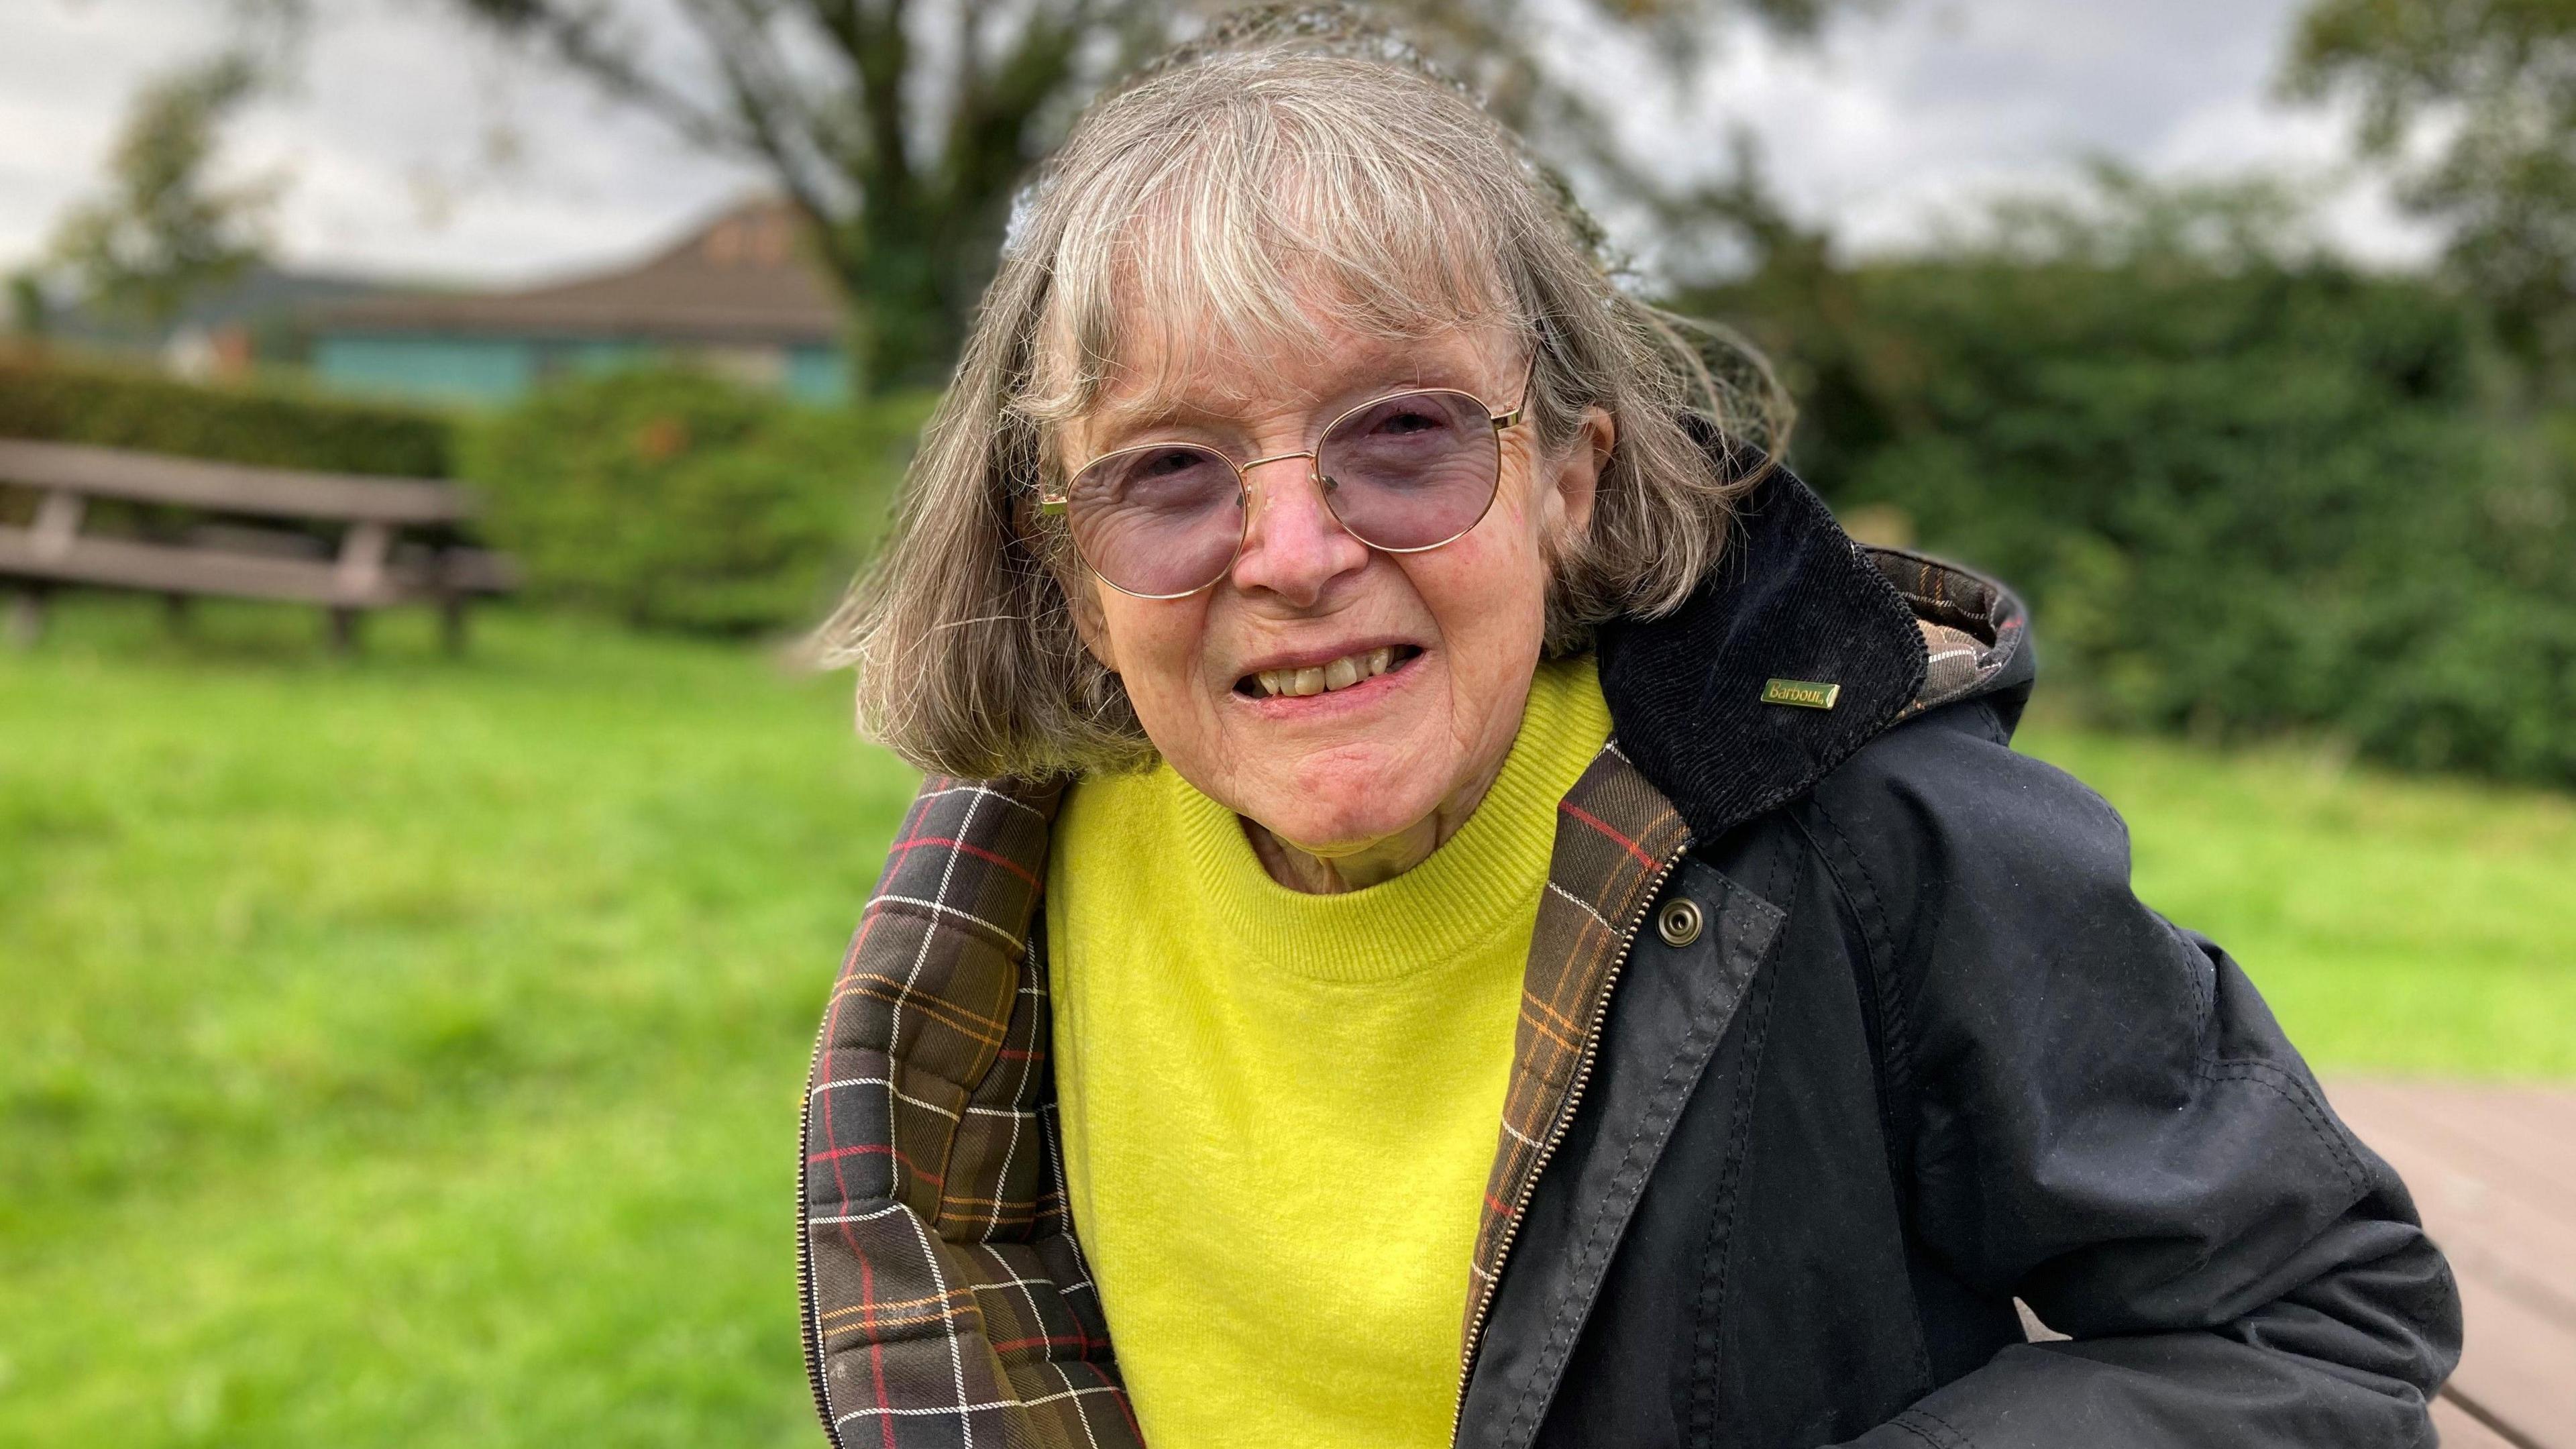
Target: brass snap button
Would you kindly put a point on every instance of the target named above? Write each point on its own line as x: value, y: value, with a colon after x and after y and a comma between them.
x: 1679, y: 921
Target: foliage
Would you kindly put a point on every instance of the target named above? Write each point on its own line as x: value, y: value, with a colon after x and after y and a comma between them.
x: 907, y: 153
x: 484, y: 989
x: 164, y: 231
x: 420, y: 1038
x: 31, y: 312
x: 674, y: 498
x: 2394, y: 924
x: 2474, y: 102
x: 2245, y: 492
x: 62, y: 401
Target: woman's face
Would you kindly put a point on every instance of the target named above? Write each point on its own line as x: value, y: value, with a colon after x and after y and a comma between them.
x: 1334, y: 772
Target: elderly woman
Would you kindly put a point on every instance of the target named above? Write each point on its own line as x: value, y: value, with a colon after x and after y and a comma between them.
x: 1454, y: 905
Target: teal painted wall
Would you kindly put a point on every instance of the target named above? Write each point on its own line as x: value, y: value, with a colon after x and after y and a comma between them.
x: 433, y: 369
x: 818, y: 375
x: 441, y: 369
x: 588, y: 356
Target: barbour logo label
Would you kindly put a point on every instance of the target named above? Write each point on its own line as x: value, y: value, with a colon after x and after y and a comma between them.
x: 1804, y: 693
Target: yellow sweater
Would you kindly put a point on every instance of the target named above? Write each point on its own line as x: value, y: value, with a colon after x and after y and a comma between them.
x: 1279, y: 1109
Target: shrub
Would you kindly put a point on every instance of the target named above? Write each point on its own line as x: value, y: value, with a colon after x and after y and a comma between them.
x: 676, y: 499
x: 2245, y: 503
x: 2244, y: 495
x: 70, y: 402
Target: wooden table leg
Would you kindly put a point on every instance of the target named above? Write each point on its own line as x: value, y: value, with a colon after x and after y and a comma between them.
x: 27, y: 615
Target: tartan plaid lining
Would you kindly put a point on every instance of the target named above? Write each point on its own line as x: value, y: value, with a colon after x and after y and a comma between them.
x: 1616, y: 836
x: 1968, y: 629
x: 951, y: 1303
x: 1955, y: 663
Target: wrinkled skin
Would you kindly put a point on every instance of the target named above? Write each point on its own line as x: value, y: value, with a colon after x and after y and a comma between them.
x: 1343, y: 789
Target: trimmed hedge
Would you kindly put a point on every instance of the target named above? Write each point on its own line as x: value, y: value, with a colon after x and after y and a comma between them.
x: 677, y: 499
x: 85, y: 403
x: 2242, y: 499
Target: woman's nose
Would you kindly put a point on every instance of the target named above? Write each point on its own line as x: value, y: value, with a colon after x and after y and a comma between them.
x: 1293, y: 546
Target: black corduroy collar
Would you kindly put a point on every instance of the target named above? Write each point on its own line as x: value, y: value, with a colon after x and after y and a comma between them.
x: 1696, y: 696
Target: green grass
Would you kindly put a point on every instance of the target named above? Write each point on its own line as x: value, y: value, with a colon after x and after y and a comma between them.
x: 2395, y: 924
x: 406, y: 1050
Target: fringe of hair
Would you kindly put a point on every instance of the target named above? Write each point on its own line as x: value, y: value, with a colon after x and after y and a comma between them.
x: 1264, y: 197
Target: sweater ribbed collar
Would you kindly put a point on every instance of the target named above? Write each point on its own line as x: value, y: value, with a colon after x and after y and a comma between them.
x: 1483, y: 880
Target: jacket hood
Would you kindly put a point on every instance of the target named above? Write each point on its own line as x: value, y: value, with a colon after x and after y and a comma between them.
x: 1801, y: 647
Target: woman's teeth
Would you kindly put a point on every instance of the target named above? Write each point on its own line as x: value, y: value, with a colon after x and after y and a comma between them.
x: 1342, y: 673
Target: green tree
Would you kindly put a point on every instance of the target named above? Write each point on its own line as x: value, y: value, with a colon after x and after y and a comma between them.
x: 903, y: 127
x: 2246, y: 486
x: 675, y: 499
x: 2473, y: 102
x: 31, y: 312
x: 164, y: 231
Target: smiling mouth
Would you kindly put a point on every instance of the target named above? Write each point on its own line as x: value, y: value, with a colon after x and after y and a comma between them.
x: 1339, y: 674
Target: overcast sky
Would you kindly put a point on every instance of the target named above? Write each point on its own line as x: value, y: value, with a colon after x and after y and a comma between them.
x: 413, y: 148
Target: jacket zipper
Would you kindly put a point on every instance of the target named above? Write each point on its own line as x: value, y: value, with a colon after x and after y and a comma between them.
x: 805, y: 1302
x: 1555, y: 1132
x: 1511, y: 1225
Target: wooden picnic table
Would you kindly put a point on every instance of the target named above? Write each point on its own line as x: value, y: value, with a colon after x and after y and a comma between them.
x: 2493, y: 1170
x: 396, y: 540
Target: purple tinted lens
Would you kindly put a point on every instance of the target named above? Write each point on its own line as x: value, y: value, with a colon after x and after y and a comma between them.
x: 1158, y: 520
x: 1413, y: 470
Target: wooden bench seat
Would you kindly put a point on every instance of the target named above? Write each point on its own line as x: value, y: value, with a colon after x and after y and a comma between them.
x: 400, y: 541
x: 2492, y: 1168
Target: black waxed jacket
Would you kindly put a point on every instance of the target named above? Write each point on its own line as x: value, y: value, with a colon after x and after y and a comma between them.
x: 1917, y: 1053
x: 1969, y: 1067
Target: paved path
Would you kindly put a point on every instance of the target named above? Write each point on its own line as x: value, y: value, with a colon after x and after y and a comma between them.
x: 2493, y: 1170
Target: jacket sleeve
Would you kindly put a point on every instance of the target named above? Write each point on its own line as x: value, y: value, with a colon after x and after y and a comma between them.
x: 2110, y: 1126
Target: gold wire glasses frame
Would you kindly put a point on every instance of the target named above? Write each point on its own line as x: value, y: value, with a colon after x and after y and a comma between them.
x: 1055, y: 498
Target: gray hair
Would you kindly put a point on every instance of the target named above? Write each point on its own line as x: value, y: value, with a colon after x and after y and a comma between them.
x: 1265, y: 197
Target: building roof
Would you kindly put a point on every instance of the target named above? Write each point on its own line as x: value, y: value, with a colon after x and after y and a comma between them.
x: 748, y: 276
x: 262, y: 294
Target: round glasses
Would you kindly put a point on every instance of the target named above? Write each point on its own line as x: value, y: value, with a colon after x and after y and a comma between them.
x: 1402, y: 473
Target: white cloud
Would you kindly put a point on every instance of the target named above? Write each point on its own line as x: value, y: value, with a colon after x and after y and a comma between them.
x: 1888, y: 125
x: 1894, y: 122
x: 391, y: 140
x: 64, y: 70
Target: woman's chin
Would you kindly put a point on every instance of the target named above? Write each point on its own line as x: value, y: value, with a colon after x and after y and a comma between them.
x: 1329, y: 827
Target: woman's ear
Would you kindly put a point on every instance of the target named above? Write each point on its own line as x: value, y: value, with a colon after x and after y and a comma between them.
x: 1083, y: 602
x: 1080, y: 589
x: 1577, y: 478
